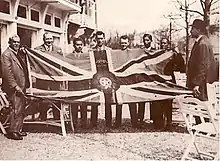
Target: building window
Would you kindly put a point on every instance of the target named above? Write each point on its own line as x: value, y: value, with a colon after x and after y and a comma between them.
x: 47, y: 19
x: 4, y: 7
x: 22, y: 12
x: 57, y: 22
x: 34, y: 15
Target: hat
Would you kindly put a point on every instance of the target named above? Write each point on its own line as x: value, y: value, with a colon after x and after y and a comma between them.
x: 199, y: 24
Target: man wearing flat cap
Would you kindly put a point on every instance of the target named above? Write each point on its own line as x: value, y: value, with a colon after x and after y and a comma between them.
x: 201, y: 66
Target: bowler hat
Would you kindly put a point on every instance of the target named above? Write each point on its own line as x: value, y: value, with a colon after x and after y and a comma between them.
x: 199, y: 24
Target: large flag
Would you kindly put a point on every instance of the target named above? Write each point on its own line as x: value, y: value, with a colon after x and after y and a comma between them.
x: 112, y: 76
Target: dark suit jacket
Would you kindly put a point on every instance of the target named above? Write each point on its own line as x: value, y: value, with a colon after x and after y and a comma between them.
x: 201, y: 66
x: 55, y: 49
x: 13, y: 73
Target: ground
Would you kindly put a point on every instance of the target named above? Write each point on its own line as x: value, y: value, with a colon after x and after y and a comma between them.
x: 43, y: 143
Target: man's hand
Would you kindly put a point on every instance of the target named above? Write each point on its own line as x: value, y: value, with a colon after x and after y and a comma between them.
x: 196, y: 91
x: 19, y: 91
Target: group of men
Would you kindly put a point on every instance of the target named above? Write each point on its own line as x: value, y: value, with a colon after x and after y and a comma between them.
x: 14, y: 61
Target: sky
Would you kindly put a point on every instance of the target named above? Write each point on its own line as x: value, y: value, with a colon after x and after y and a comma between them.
x: 125, y: 16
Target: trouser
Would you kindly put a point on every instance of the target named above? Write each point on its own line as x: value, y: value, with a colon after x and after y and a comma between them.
x: 47, y: 85
x: 161, y: 111
x: 141, y: 111
x: 108, y: 115
x: 133, y: 114
x: 17, y: 113
x: 94, y: 115
x: 44, y: 107
x: 83, y: 114
x: 118, y: 117
x: 156, y: 110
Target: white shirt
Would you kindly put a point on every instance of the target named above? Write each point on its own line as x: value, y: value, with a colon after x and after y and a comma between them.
x: 198, y: 38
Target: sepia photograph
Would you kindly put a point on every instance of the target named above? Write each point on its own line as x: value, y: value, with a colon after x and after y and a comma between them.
x: 109, y: 80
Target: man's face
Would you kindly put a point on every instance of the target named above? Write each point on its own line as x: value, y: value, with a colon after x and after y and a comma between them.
x: 194, y: 32
x: 48, y: 39
x: 100, y: 40
x: 15, y: 43
x: 164, y: 44
x: 147, y: 42
x: 124, y: 44
x: 78, y: 46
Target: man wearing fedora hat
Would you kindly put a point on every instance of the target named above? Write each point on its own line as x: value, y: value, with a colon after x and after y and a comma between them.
x: 201, y: 65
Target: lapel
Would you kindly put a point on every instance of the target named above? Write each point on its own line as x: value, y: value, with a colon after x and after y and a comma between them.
x: 13, y: 56
x: 194, y: 47
x: 196, y: 44
x: 43, y: 49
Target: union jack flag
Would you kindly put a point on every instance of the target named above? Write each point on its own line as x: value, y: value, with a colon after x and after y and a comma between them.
x: 128, y: 76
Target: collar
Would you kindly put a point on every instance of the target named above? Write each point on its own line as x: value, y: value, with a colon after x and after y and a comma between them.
x: 197, y: 40
x: 15, y: 52
x: 47, y: 47
x: 77, y: 54
x: 101, y: 48
x: 74, y: 52
x: 148, y: 50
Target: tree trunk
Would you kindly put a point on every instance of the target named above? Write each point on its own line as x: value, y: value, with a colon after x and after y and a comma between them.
x: 207, y: 15
x: 187, y: 32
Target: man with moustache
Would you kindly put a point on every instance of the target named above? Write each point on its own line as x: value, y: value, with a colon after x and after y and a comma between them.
x: 15, y: 81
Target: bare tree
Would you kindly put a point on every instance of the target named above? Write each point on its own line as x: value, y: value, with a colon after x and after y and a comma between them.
x: 207, y: 10
x: 186, y: 16
x: 187, y: 13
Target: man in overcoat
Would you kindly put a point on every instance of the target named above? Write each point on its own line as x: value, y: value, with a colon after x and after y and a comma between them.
x: 15, y: 81
x: 201, y: 65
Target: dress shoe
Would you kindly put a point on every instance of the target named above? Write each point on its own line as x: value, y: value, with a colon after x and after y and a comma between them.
x: 14, y: 136
x: 22, y: 133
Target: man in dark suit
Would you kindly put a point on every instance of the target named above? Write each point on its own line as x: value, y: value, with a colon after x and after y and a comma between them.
x: 99, y: 49
x: 124, y: 43
x: 148, y: 47
x: 201, y: 66
x: 15, y: 81
x: 49, y: 48
x: 77, y: 54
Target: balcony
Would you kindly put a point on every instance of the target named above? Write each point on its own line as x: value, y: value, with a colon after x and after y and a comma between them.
x: 66, y: 5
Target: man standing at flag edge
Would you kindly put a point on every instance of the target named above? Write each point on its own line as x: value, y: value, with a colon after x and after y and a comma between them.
x: 15, y: 82
x: 201, y: 67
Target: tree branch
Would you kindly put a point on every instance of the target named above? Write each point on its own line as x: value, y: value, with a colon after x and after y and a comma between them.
x: 189, y: 4
x: 213, y: 2
x: 215, y: 13
x: 213, y: 9
x: 193, y: 11
x: 203, y: 5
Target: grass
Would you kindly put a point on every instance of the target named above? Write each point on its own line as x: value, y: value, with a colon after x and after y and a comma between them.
x: 45, y: 143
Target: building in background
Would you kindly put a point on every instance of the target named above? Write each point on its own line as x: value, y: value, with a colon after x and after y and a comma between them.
x: 31, y: 18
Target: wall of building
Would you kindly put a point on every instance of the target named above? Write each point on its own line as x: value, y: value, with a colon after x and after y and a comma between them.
x: 30, y: 31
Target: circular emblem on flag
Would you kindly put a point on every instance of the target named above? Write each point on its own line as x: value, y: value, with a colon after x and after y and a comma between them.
x: 105, y: 82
